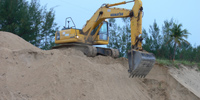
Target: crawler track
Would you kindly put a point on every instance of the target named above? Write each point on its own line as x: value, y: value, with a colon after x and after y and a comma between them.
x: 90, y: 50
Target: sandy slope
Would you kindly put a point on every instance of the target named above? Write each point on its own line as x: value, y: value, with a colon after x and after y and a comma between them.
x: 162, y: 84
x: 27, y: 72
x: 188, y: 77
x: 13, y: 42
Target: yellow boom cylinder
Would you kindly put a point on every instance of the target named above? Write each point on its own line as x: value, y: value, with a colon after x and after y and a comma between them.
x: 110, y: 5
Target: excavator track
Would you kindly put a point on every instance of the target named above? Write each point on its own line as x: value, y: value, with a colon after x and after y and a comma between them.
x: 90, y: 50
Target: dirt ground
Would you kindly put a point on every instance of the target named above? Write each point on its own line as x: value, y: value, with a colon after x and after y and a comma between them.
x: 29, y: 73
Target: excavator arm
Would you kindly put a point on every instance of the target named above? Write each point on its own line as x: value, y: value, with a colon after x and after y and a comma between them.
x: 140, y: 62
x: 105, y: 12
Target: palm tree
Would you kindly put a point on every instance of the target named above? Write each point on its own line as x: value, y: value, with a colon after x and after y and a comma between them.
x: 178, y: 36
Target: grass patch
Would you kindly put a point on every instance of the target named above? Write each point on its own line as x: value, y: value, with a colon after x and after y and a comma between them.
x: 164, y: 62
x: 176, y: 63
x: 198, y: 65
x: 186, y: 63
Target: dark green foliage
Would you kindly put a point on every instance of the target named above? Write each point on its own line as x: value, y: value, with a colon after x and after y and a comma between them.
x: 113, y: 37
x: 119, y: 37
x: 155, y: 39
x: 198, y: 66
x: 166, y: 42
x: 178, y: 36
x: 28, y: 20
x: 171, y: 43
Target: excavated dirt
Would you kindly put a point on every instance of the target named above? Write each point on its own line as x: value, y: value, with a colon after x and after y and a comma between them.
x: 29, y: 73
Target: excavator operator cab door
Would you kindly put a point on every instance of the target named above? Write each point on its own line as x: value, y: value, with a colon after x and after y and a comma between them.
x: 103, y: 32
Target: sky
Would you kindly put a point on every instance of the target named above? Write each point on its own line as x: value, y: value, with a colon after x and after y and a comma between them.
x: 185, y: 12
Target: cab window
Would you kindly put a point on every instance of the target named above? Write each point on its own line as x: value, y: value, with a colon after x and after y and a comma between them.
x: 103, y: 32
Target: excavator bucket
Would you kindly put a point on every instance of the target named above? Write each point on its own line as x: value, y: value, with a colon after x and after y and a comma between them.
x: 140, y: 63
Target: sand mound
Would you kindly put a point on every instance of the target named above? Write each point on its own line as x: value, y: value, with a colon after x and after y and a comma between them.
x: 13, y: 42
x: 29, y: 73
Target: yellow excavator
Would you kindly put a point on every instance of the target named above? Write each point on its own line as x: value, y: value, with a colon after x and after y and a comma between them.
x: 95, y: 32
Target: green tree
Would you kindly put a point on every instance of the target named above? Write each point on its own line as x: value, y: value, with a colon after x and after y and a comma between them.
x: 156, y: 38
x: 166, y: 45
x: 119, y: 37
x: 197, y: 54
x: 178, y: 36
x: 28, y: 20
x: 48, y: 29
x: 147, y: 41
x: 113, y: 39
x: 126, y: 36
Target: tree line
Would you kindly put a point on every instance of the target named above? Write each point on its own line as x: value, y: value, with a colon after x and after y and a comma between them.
x: 169, y: 42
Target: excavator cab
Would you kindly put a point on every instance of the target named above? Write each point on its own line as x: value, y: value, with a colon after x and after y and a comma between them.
x: 103, y: 33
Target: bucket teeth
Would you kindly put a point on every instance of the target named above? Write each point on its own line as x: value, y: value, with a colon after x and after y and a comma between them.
x: 140, y: 63
x: 135, y: 75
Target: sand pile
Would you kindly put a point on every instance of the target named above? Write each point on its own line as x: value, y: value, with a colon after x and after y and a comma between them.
x: 13, y: 42
x: 27, y: 72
